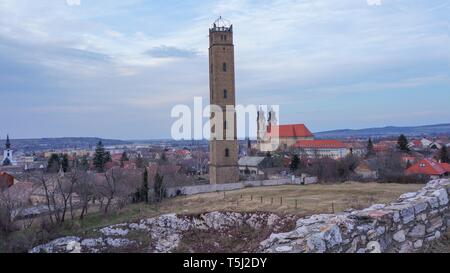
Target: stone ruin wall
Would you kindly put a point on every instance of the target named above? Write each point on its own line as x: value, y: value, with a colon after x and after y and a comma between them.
x: 406, y: 225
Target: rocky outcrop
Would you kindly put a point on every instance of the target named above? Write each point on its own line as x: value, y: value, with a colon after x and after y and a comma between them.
x: 406, y: 225
x: 160, y: 234
x: 403, y: 226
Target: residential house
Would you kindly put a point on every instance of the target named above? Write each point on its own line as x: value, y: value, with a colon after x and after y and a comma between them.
x: 435, y: 145
x: 7, y: 180
x: 367, y: 169
x: 426, y: 142
x: 429, y: 167
x: 254, y: 165
x: 415, y: 145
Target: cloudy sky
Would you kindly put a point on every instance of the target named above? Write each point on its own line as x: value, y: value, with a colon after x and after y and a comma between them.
x: 115, y: 69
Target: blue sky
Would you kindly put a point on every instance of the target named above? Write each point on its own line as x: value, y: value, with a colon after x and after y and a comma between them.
x: 115, y: 69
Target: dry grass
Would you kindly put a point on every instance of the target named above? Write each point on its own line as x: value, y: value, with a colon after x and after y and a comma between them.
x: 311, y: 199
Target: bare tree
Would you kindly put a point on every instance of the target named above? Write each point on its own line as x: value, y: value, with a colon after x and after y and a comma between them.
x: 85, y: 188
x: 118, y: 185
x: 201, y: 161
x: 58, y: 190
x: 13, y: 202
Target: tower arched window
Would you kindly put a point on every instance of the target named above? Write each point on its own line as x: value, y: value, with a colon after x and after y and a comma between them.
x: 227, y: 152
x: 224, y: 67
x: 225, y: 93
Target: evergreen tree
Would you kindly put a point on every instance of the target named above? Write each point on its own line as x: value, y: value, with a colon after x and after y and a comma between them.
x: 65, y: 162
x: 108, y: 157
x: 370, y: 148
x: 123, y: 159
x: 295, y: 163
x: 84, y: 164
x: 53, y: 163
x: 159, y: 188
x: 163, y: 157
x: 144, y: 194
x: 402, y: 143
x: 101, y: 157
x: 443, y: 155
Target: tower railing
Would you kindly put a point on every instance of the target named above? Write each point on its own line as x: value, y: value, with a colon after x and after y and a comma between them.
x: 221, y: 29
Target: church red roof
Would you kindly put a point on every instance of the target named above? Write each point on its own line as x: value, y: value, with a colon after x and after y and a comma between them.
x: 320, y: 144
x: 291, y: 130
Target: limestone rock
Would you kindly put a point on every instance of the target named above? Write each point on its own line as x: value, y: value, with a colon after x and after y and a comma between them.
x: 399, y: 236
x: 316, y: 244
x: 442, y: 196
x: 110, y: 231
x: 417, y: 231
x: 283, y: 249
x: 418, y: 244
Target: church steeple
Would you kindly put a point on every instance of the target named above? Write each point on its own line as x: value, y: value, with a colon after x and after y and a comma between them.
x: 7, y: 154
x: 8, y: 143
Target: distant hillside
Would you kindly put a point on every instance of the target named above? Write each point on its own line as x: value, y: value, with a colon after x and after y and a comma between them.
x: 60, y: 143
x: 427, y: 130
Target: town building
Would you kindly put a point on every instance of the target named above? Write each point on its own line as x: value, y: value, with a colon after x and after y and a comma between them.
x: 321, y: 148
x: 224, y: 147
x: 272, y: 136
x: 254, y: 165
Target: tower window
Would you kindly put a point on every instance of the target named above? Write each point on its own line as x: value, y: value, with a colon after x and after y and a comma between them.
x: 211, y: 69
x: 227, y: 152
x: 224, y: 124
x: 224, y: 67
x: 225, y: 93
x: 225, y: 37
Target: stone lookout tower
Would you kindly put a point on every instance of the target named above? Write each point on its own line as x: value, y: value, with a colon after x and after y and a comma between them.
x: 223, y: 146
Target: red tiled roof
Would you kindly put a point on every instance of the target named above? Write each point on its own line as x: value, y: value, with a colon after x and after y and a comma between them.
x: 428, y: 167
x: 291, y: 130
x: 6, y: 179
x: 417, y: 143
x: 319, y: 144
x: 183, y: 152
x: 446, y: 166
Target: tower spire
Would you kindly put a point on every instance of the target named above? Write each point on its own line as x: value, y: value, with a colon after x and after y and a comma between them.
x: 8, y: 143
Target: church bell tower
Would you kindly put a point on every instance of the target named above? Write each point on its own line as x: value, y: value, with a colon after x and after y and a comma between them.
x: 224, y: 148
x: 7, y: 153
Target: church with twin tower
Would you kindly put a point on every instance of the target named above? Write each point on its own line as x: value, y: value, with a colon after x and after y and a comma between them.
x: 224, y: 149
